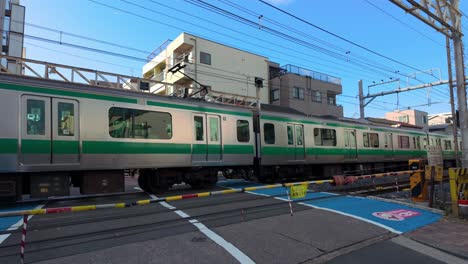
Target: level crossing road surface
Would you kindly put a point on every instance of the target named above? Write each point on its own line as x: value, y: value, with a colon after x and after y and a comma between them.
x: 253, y: 227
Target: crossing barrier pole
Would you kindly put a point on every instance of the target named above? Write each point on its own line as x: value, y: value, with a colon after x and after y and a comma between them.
x: 453, y: 175
x: 23, y: 238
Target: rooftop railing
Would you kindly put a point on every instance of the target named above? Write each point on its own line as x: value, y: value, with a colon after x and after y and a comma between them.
x: 312, y: 74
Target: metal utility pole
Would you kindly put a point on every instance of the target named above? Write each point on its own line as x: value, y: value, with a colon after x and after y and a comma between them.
x: 445, y: 17
x: 361, y: 100
x: 452, y: 103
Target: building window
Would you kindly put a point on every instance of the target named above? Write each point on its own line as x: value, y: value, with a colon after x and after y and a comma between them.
x: 205, y: 58
x: 331, y: 98
x: 324, y: 137
x: 404, y: 119
x: 135, y: 123
x: 424, y: 119
x: 298, y: 93
x: 269, y: 133
x: 317, y: 96
x: 403, y: 142
x: 370, y: 140
x: 243, y: 132
x: 275, y: 94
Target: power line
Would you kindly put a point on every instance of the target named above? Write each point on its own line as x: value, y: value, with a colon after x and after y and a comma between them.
x: 285, y: 36
x: 291, y: 29
x: 405, y: 24
x: 342, y: 38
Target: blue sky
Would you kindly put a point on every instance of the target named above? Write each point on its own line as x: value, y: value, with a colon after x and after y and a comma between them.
x: 142, y: 25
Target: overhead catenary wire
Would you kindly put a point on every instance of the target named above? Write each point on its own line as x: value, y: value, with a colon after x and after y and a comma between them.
x: 215, y: 9
x: 340, y: 37
x: 299, y: 32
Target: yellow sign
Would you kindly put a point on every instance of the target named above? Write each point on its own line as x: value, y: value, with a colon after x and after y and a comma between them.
x: 438, y: 172
x: 298, y: 191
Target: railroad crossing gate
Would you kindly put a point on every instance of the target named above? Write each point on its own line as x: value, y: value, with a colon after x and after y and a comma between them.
x: 458, y: 187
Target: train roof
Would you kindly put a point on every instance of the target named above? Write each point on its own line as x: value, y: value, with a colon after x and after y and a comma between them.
x: 124, y: 93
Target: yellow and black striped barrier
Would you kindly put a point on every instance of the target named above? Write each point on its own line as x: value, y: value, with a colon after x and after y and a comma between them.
x: 458, y: 187
x: 337, y: 180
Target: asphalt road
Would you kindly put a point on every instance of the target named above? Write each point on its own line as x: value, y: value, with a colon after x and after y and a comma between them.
x: 230, y: 228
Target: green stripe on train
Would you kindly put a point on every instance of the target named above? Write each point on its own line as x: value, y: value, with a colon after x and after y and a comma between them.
x: 50, y: 91
x: 198, y: 108
x: 8, y: 145
x: 339, y: 151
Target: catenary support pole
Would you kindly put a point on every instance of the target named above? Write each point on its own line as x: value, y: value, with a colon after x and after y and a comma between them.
x: 452, y: 103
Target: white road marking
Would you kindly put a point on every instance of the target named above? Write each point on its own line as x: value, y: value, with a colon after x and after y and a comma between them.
x: 354, y: 216
x: 230, y: 248
x: 17, y: 225
x: 427, y: 250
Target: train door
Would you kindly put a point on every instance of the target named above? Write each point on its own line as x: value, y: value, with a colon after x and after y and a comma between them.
x: 291, y: 145
x: 300, y: 145
x: 296, y: 148
x: 388, y: 145
x: 214, y: 138
x: 207, y: 138
x: 350, y: 144
x: 49, y: 131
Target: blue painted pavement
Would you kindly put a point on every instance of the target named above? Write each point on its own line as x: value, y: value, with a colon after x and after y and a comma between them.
x: 392, y: 216
x: 6, y: 222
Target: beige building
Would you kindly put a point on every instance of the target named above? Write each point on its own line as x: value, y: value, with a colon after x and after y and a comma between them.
x: 309, y: 92
x: 227, y: 72
x: 441, y: 118
x: 410, y: 116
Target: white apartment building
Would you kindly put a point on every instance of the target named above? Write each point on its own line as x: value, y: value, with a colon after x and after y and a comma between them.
x: 226, y: 71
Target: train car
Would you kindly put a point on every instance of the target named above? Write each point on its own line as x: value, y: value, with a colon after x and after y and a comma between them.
x: 297, y: 147
x: 54, y: 134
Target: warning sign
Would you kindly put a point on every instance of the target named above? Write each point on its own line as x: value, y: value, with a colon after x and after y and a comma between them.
x: 434, y: 155
x: 298, y: 191
x: 396, y: 215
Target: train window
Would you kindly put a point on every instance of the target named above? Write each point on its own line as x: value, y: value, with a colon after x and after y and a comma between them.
x: 403, y: 142
x: 135, y: 123
x: 66, y: 119
x: 269, y: 133
x: 447, y: 144
x: 299, y: 136
x: 243, y: 132
x: 325, y: 137
x: 198, y: 127
x: 214, y: 128
x: 290, y: 135
x: 371, y: 140
x: 36, y: 117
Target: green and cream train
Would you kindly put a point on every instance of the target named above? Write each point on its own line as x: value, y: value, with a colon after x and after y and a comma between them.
x: 55, y: 135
